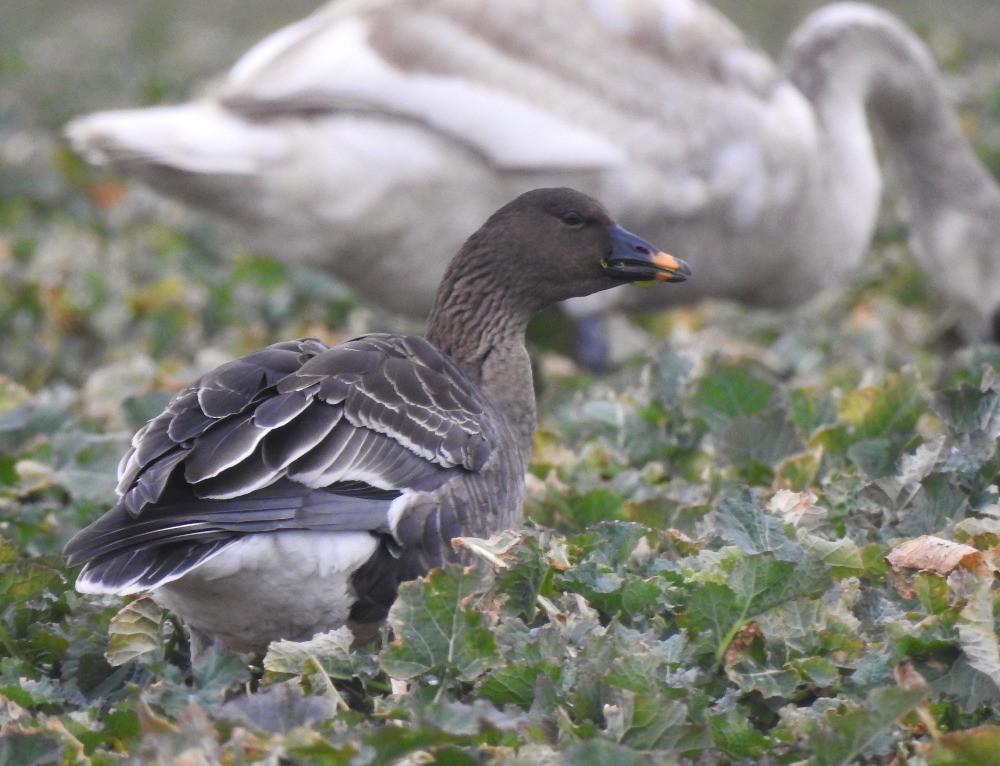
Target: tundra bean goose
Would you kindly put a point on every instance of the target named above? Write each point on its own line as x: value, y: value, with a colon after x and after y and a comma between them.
x: 324, y: 137
x: 291, y: 490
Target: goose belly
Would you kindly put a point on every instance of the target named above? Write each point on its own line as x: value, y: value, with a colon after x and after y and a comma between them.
x: 268, y: 586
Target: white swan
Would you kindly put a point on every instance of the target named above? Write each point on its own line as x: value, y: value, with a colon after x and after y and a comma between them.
x: 369, y: 138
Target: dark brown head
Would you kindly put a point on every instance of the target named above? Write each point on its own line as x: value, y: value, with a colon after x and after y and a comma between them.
x: 549, y: 245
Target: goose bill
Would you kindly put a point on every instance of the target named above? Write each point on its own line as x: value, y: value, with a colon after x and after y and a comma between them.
x: 633, y: 259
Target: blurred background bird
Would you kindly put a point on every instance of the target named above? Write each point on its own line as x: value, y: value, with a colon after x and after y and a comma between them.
x: 328, y: 141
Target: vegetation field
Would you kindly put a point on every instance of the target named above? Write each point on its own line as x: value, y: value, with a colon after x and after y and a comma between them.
x: 767, y: 539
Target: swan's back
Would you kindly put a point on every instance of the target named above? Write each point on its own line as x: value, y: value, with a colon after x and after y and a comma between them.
x: 326, y: 136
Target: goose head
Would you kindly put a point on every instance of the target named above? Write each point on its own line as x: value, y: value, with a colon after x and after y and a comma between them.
x: 555, y: 244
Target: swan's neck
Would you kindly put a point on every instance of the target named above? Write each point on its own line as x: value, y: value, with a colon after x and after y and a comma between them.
x: 849, y: 60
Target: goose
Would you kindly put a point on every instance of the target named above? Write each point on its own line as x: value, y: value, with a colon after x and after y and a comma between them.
x: 291, y: 490
x: 325, y: 137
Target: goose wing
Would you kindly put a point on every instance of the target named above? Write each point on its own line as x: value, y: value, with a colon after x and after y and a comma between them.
x: 295, y: 436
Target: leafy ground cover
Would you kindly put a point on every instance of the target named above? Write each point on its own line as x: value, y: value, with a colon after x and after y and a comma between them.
x: 770, y: 539
x: 704, y: 578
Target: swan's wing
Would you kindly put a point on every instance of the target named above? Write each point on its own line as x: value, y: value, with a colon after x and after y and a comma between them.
x: 295, y: 436
x: 560, y: 84
x: 679, y: 118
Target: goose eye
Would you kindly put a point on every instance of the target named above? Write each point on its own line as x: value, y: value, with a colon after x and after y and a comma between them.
x: 572, y: 218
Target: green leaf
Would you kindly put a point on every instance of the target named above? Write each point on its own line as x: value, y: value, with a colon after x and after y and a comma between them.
x: 638, y: 670
x: 438, y: 631
x: 819, y: 670
x: 735, y: 736
x: 639, y: 596
x: 762, y: 583
x: 881, y: 412
x: 267, y: 273
x: 523, y: 580
x: 810, y: 409
x: 24, y: 580
x: 8, y: 552
x: 12, y: 394
x: 218, y: 674
x: 650, y: 722
x: 728, y: 393
x: 610, y: 544
x: 933, y: 592
x: 598, y: 505
x: 514, y: 684
x: 19, y: 747
x: 755, y: 585
x: 192, y: 738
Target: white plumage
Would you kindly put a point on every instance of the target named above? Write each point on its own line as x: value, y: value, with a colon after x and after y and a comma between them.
x: 324, y: 137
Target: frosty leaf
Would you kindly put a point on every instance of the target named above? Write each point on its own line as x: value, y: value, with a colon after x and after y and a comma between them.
x: 437, y: 629
x: 841, y: 556
x: 330, y: 651
x: 134, y: 632
x: 967, y: 409
x: 875, y: 457
x: 600, y: 752
x: 966, y: 685
x: 765, y: 438
x: 848, y: 733
x: 761, y: 677
x: 742, y: 522
x: 19, y: 747
x: 913, y: 469
x: 597, y: 649
x: 936, y: 503
x: 193, y: 738
x: 977, y: 633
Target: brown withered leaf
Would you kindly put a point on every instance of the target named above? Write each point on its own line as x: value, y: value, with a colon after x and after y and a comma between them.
x: 494, y: 551
x: 935, y: 554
